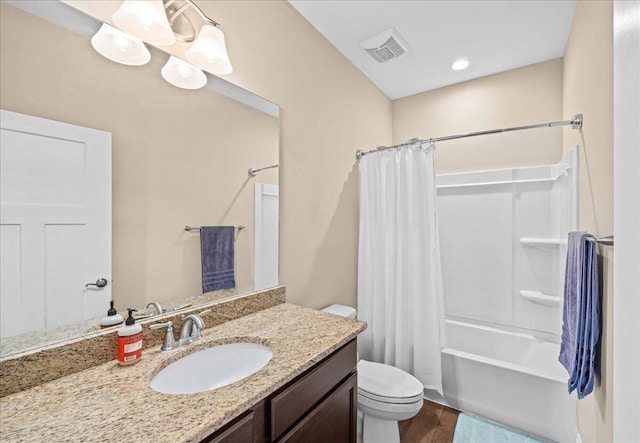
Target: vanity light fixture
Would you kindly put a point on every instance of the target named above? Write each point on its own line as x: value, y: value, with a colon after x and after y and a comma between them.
x: 209, y: 51
x: 120, y: 47
x: 145, y: 19
x: 179, y: 26
x: 182, y: 74
x: 460, y: 64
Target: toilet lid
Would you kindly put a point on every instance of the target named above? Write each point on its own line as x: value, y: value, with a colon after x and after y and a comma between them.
x: 386, y: 383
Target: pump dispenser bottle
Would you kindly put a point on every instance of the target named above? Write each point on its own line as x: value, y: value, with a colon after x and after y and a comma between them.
x: 111, y: 319
x: 130, y: 341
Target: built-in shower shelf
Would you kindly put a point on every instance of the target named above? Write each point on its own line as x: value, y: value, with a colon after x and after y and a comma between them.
x: 538, y: 242
x: 540, y: 298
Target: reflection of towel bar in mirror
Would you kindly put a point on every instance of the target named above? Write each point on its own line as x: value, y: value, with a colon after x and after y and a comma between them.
x: 607, y: 241
x: 254, y: 171
x: 190, y: 228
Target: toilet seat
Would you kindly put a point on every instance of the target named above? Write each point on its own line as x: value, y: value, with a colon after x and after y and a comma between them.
x: 388, y: 384
x: 390, y: 400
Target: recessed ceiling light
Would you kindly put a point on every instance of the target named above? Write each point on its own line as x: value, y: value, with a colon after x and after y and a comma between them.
x: 461, y: 64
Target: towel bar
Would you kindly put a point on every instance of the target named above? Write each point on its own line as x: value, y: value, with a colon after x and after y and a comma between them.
x: 254, y: 171
x: 607, y: 241
x: 190, y: 228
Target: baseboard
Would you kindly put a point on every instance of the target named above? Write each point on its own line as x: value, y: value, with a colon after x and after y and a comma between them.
x: 435, y: 397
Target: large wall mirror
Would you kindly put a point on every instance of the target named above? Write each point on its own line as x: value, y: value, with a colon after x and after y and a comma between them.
x: 179, y: 158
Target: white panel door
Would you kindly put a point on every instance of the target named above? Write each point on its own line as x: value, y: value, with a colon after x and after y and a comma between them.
x: 266, y: 236
x: 55, y: 217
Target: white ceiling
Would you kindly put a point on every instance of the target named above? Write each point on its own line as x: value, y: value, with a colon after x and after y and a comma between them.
x: 495, y: 35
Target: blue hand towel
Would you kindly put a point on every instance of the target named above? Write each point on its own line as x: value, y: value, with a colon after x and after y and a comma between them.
x: 217, y: 246
x: 581, y: 326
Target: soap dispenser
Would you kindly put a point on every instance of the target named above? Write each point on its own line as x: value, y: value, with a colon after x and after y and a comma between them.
x: 111, y: 319
x: 130, y: 341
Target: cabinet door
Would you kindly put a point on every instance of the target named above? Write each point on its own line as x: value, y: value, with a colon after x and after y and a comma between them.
x: 299, y: 398
x: 334, y: 420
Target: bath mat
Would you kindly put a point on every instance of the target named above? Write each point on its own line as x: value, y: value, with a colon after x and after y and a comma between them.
x: 473, y: 429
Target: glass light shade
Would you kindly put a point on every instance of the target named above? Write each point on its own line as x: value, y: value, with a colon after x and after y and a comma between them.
x: 146, y: 20
x: 120, y: 47
x: 209, y: 51
x: 182, y: 74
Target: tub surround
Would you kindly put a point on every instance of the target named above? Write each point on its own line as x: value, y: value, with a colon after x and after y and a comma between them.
x: 41, y: 365
x: 114, y: 400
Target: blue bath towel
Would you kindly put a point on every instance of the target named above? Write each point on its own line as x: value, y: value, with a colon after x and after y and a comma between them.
x: 581, y: 325
x: 217, y: 246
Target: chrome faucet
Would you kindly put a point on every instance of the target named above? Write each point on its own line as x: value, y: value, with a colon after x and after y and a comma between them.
x: 192, y: 327
x: 156, y: 305
x: 191, y: 331
x: 185, y: 306
x: 169, y: 340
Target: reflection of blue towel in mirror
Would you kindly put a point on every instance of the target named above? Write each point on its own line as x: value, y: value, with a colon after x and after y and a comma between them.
x: 216, y: 243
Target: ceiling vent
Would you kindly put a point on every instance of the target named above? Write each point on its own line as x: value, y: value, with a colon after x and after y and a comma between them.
x: 388, y: 45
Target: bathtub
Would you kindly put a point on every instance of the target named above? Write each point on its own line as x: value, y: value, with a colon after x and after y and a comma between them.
x: 508, y: 377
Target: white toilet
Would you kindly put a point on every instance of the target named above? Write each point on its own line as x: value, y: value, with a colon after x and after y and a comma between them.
x: 385, y: 395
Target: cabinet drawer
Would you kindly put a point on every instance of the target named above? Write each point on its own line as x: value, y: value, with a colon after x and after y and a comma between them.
x: 295, y: 401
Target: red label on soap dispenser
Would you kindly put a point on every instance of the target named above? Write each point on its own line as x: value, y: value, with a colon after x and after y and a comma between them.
x: 130, y: 348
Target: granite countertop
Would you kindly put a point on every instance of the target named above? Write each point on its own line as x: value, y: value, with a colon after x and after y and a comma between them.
x: 115, y: 402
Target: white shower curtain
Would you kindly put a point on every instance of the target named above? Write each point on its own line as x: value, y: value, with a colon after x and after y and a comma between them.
x: 399, y: 278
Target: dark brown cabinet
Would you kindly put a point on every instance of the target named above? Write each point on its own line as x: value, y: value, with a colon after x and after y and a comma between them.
x: 333, y: 420
x: 241, y: 431
x: 319, y: 405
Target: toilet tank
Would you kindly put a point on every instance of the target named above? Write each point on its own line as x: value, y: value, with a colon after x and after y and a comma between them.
x: 341, y: 310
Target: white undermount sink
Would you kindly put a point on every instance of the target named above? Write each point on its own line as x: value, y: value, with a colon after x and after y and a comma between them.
x: 211, y: 368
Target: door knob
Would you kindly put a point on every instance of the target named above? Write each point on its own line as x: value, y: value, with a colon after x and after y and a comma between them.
x: 100, y: 283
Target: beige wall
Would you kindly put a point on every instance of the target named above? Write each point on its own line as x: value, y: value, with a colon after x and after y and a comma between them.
x: 588, y: 88
x: 329, y: 109
x: 179, y: 157
x: 532, y: 94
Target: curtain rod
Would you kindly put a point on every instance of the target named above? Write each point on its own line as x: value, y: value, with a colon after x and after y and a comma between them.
x: 575, y: 122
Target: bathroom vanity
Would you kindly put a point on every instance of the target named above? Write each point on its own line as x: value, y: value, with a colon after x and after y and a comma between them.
x: 318, y: 406
x: 307, y: 391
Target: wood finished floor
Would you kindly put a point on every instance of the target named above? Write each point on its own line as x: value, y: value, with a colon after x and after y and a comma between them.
x: 433, y: 424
